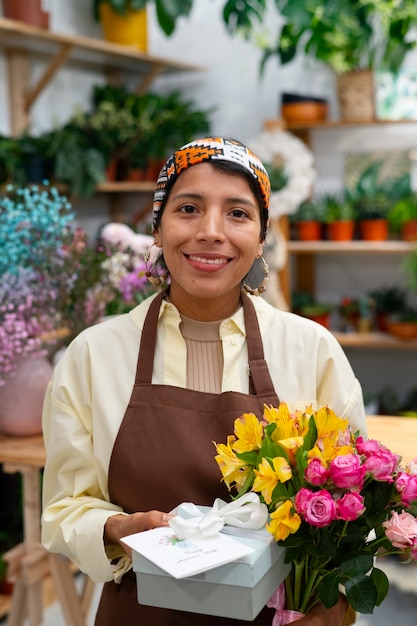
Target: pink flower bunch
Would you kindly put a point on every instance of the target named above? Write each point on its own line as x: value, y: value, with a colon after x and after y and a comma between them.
x: 125, y: 266
x: 26, y: 315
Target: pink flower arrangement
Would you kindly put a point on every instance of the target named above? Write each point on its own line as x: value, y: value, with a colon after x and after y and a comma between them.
x: 335, y: 499
x: 125, y: 266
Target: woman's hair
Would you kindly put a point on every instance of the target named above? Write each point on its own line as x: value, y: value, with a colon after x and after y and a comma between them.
x: 228, y: 167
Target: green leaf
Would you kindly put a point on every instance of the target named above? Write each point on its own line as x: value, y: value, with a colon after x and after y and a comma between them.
x: 311, y: 435
x: 250, y: 458
x: 361, y: 564
x: 328, y: 589
x: 381, y: 583
x: 168, y: 11
x: 243, y: 13
x: 361, y: 593
x: 328, y: 543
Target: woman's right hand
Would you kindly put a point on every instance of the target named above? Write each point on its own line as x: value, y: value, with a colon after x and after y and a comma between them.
x: 118, y: 526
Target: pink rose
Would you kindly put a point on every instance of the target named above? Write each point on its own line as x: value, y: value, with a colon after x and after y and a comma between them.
x: 320, y: 509
x: 401, y: 530
x: 367, y: 446
x: 382, y: 465
x: 316, y: 474
x: 350, y: 506
x: 412, y: 467
x: 406, y: 486
x: 301, y: 500
x: 347, y: 472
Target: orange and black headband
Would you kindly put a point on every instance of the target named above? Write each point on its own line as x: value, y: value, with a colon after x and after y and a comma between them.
x: 210, y: 149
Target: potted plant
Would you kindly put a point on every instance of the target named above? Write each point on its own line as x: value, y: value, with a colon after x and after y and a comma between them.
x: 125, y: 21
x: 353, y: 38
x: 372, y: 199
x: 304, y: 304
x: 35, y: 158
x: 402, y: 217
x: 339, y: 215
x: 308, y: 221
x: 403, y: 325
x: 387, y: 300
x: 142, y: 129
x: 78, y: 163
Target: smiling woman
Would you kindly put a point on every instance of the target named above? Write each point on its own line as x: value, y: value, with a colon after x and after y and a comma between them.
x: 136, y: 401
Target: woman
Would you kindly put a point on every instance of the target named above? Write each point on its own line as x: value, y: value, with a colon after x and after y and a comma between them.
x: 123, y: 449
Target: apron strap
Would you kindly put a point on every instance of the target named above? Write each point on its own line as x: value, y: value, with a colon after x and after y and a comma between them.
x: 260, y: 383
x: 148, y: 342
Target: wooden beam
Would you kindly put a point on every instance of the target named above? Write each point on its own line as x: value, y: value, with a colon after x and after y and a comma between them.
x: 18, y: 77
x: 57, y: 61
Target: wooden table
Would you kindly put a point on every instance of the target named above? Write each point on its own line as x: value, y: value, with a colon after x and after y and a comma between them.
x: 399, y: 434
x: 29, y: 562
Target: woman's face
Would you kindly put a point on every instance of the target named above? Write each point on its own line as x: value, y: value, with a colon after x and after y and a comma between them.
x: 210, y: 235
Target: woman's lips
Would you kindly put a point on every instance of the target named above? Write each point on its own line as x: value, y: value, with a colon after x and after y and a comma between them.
x: 207, y: 264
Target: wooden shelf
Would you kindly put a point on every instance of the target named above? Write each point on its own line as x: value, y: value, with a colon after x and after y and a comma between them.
x: 374, y: 340
x: 351, y: 247
x: 19, y: 36
x: 302, y: 126
x: 146, y: 186
x: 23, y: 43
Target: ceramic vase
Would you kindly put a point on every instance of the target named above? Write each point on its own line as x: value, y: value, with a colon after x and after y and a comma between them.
x: 21, y: 398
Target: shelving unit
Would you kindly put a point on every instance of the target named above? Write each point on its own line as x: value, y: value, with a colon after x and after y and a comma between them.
x: 23, y: 43
x: 304, y: 253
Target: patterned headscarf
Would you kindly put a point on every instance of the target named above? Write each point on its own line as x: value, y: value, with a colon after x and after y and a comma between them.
x: 210, y: 149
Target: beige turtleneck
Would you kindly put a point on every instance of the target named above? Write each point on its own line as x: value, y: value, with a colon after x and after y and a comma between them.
x: 204, y: 355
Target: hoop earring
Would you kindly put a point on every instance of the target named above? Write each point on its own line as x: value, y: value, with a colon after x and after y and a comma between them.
x: 261, y: 288
x: 158, y: 277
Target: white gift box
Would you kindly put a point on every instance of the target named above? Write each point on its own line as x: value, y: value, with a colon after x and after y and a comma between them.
x: 236, y: 590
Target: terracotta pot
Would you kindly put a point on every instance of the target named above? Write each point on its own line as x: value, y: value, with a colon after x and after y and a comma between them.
x: 111, y: 170
x: 21, y: 399
x: 34, y: 12
x: 402, y: 330
x: 409, y: 231
x: 320, y: 318
x: 308, y: 111
x: 381, y: 319
x: 126, y: 30
x: 374, y: 230
x: 341, y: 231
x: 308, y: 230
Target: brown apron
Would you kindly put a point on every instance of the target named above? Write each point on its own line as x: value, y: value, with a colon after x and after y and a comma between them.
x: 164, y: 455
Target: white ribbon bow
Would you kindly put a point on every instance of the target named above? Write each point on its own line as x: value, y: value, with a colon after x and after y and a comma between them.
x: 245, y: 512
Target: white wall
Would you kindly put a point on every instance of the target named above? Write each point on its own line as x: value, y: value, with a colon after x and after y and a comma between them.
x: 243, y: 100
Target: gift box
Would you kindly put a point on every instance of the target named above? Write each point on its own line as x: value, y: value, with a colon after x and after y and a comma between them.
x: 236, y: 590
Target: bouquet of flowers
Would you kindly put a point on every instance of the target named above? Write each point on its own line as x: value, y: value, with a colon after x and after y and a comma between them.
x: 32, y: 221
x: 335, y: 501
x: 125, y: 266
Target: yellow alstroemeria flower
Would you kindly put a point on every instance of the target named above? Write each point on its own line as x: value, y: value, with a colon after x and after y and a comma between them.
x: 233, y: 469
x: 286, y: 432
x: 328, y: 424
x: 267, y: 477
x: 249, y: 433
x: 284, y: 521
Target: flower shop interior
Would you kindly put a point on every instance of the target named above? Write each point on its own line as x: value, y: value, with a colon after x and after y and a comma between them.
x: 102, y: 115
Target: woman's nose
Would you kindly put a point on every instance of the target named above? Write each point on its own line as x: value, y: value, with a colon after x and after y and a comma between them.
x: 211, y: 225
